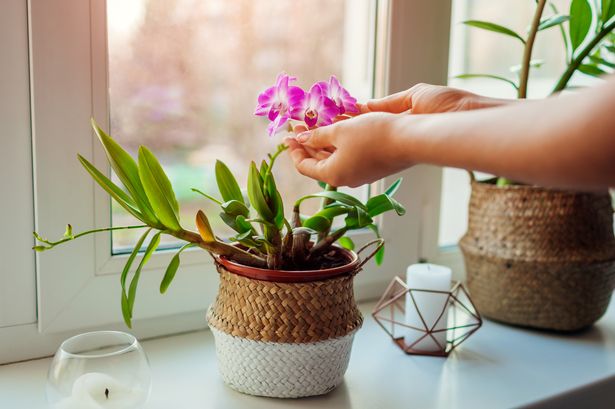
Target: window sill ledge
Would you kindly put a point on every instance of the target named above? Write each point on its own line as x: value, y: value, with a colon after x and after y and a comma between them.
x: 499, y: 366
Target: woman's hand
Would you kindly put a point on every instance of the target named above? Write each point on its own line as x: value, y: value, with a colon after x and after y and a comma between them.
x: 431, y: 99
x: 351, y: 152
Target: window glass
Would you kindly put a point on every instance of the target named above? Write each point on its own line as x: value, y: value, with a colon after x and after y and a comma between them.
x: 184, y: 76
x: 477, y: 51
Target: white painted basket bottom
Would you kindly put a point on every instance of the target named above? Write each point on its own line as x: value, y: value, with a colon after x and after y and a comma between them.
x: 282, y: 370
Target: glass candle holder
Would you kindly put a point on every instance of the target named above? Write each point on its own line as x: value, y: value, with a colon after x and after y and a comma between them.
x: 96, y: 370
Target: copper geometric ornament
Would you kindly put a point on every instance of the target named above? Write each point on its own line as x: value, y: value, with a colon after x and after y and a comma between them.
x: 462, y: 319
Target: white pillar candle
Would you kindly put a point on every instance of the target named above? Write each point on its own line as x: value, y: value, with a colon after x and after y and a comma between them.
x: 427, y: 277
x: 96, y: 390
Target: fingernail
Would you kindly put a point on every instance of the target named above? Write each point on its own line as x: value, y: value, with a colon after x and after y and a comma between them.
x: 304, y: 136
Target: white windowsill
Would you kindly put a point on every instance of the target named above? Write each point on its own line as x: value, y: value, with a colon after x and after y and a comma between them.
x: 499, y: 366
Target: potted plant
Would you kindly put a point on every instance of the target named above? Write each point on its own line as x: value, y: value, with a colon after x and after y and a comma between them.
x: 541, y: 257
x: 285, y: 316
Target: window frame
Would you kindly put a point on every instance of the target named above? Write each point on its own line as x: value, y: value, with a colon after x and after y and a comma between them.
x: 63, y: 38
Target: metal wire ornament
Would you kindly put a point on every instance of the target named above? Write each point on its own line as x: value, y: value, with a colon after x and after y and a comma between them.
x: 463, y: 317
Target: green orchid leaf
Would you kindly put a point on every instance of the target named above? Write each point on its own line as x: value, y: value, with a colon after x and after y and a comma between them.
x: 213, y: 199
x: 158, y: 189
x: 608, y: 10
x: 227, y: 184
x: 337, y: 196
x: 383, y: 203
x: 242, y: 224
x: 493, y: 77
x: 275, y: 199
x: 202, y: 224
x: 496, y: 28
x: 125, y: 306
x: 113, y: 190
x: 332, y: 211
x: 346, y: 242
x: 580, y: 22
x: 394, y: 187
x: 256, y: 194
x: 552, y: 21
x: 235, y: 208
x: 229, y: 220
x: 128, y: 172
x: 358, y: 218
x: 132, y: 290
x: 322, y: 185
x: 169, y: 274
x: 318, y: 223
x: 264, y: 169
x: 379, y: 256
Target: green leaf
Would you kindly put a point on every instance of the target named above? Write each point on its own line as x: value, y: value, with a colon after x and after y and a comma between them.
x: 126, y: 169
x: 394, y: 187
x: 591, y: 70
x: 496, y: 28
x: 493, y: 77
x: 580, y: 22
x: 235, y: 208
x: 346, y: 242
x: 132, y: 290
x: 601, y: 61
x: 263, y: 169
x: 358, y: 218
x: 322, y: 185
x: 275, y: 199
x: 256, y: 195
x: 337, y: 196
x: 242, y: 224
x: 608, y: 10
x: 125, y: 307
x: 379, y: 256
x: 169, y: 274
x: 227, y: 184
x: 552, y: 21
x: 112, y: 189
x: 317, y: 223
x: 158, y: 189
x: 383, y: 203
x: 213, y: 199
x: 332, y: 211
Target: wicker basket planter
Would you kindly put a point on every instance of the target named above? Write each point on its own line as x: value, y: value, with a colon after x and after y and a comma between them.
x: 284, y: 334
x: 539, y: 258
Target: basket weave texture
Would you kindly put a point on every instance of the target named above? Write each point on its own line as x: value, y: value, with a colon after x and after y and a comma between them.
x: 285, y: 312
x: 284, y: 340
x: 539, y: 257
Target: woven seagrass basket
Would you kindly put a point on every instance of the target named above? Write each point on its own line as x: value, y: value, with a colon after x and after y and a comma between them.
x: 539, y: 258
x: 285, y: 334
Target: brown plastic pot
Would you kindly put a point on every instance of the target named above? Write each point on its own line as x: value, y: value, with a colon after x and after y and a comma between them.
x: 352, y: 266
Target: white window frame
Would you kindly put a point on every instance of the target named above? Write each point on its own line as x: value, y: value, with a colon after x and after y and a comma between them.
x: 77, y: 283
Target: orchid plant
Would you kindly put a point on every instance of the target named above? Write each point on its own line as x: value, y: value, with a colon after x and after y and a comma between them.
x: 587, y: 33
x: 264, y: 236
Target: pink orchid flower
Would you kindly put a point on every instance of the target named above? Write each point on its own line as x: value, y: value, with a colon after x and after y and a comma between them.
x: 345, y: 102
x: 315, y: 108
x: 276, y: 102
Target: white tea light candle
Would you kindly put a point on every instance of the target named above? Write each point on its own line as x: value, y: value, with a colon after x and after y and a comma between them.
x: 434, y: 278
x: 96, y: 390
